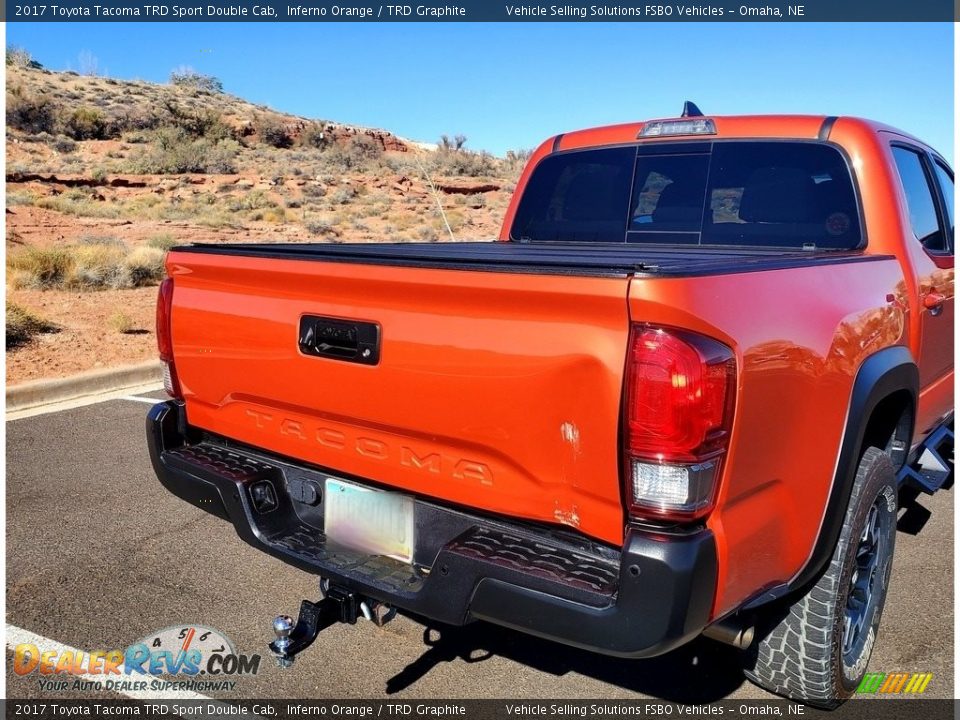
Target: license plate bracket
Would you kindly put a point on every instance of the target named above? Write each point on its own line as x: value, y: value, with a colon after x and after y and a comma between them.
x: 374, y: 521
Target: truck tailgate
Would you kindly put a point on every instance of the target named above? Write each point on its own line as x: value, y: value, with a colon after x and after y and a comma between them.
x: 498, y: 391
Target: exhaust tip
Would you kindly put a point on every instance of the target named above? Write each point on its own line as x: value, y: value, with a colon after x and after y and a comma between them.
x: 732, y: 631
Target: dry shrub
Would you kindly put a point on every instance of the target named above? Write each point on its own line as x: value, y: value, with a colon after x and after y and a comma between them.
x: 174, y: 152
x: 86, y: 124
x: 190, y: 78
x: 31, y: 113
x: 314, y: 136
x: 163, y: 241
x: 273, y: 133
x: 97, y: 267
x: 41, y: 267
x: 144, y: 265
x: 88, y: 266
x: 23, y: 325
x: 121, y: 322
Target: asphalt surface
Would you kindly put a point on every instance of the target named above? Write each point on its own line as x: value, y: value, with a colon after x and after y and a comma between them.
x: 99, y: 555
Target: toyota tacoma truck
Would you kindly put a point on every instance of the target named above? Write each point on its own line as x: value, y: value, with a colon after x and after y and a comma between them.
x: 679, y: 396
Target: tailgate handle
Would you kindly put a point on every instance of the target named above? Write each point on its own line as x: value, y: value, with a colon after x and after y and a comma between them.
x: 339, y: 339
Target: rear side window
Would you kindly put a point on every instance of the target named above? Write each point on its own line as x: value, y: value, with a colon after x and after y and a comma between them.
x: 783, y: 194
x: 945, y: 178
x: 919, y: 196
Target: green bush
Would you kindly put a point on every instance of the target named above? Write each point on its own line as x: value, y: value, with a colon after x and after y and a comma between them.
x: 86, y: 124
x: 173, y: 152
x: 359, y: 153
x: 203, y: 123
x: 463, y: 162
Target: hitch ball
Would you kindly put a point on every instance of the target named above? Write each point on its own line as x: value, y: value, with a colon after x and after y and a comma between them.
x: 282, y: 627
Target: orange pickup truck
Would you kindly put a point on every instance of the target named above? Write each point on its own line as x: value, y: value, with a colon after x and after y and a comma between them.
x: 678, y: 397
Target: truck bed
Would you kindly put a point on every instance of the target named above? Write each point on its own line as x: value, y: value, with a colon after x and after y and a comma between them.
x: 564, y: 258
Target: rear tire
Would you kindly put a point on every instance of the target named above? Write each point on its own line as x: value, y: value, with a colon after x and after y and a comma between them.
x: 816, y: 649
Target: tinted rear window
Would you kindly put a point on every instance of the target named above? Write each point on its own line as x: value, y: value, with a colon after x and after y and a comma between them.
x: 740, y: 193
x: 580, y: 196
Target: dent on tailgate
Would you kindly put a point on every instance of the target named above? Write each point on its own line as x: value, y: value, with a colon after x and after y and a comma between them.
x: 496, y: 391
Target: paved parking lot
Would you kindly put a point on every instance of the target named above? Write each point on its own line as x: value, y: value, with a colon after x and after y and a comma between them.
x: 99, y: 555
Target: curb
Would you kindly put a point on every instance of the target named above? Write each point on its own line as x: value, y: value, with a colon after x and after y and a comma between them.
x: 44, y: 392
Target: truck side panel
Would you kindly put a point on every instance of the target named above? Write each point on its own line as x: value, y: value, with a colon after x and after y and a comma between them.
x: 795, y: 380
x: 930, y: 339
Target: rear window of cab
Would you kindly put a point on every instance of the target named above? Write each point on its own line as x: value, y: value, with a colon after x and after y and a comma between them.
x: 781, y: 194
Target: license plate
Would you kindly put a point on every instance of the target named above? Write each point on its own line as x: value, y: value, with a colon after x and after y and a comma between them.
x: 374, y: 521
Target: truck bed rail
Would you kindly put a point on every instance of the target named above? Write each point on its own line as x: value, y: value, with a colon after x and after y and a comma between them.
x: 561, y: 258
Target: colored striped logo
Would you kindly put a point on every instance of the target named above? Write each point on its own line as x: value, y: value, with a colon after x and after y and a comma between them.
x: 894, y: 683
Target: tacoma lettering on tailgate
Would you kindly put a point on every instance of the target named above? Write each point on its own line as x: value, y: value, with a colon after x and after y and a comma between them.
x: 373, y: 449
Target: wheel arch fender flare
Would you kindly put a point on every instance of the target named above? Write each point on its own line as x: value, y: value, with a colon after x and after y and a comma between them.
x: 882, y: 374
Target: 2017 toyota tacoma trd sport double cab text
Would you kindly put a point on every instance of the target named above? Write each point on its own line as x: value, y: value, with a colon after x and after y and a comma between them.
x: 678, y: 397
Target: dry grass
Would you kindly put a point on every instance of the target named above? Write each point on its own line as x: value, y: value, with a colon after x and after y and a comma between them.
x: 79, y: 204
x: 87, y: 266
x: 122, y: 323
x: 23, y: 325
x: 163, y: 242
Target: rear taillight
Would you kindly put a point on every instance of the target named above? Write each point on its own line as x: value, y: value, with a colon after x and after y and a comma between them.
x: 165, y: 338
x: 677, y: 417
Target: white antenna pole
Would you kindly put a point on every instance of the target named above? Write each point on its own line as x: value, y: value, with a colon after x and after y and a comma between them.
x: 436, y: 193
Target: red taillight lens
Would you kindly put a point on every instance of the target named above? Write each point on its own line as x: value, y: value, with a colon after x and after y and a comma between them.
x: 678, y: 390
x: 164, y: 307
x: 679, y: 409
x: 165, y: 338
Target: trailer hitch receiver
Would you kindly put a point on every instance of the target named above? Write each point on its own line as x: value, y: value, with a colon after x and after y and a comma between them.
x: 291, y: 639
x: 337, y: 606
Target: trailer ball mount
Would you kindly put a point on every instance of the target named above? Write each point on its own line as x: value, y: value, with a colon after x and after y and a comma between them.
x: 338, y: 605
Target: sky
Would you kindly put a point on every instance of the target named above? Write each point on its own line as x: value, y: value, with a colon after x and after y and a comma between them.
x: 509, y: 85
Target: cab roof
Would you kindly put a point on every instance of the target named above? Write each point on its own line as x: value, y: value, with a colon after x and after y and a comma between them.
x: 727, y: 126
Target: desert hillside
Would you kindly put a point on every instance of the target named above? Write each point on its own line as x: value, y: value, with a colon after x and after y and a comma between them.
x: 104, y: 175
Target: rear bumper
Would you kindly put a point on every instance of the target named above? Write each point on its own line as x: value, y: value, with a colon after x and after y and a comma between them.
x: 651, y: 596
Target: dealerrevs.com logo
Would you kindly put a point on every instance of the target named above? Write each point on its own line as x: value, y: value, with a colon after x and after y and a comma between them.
x: 179, y: 657
x: 898, y: 683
